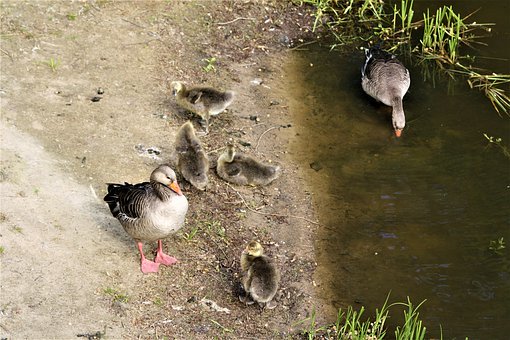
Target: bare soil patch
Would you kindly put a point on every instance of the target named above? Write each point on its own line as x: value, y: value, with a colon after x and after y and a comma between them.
x: 85, y: 101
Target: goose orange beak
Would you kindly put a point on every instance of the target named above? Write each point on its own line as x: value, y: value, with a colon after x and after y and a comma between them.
x: 175, y: 187
x: 398, y: 132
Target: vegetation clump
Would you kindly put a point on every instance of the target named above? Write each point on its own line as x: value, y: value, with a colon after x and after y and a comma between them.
x: 349, y: 324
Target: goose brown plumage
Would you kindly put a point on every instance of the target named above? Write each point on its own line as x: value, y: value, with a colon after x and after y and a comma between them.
x: 150, y: 211
x: 385, y: 78
x: 192, y: 162
x: 203, y: 101
x: 260, y: 276
x: 242, y: 169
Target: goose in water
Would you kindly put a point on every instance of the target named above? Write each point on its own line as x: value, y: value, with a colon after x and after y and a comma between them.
x: 203, y: 101
x: 150, y: 211
x: 386, y: 79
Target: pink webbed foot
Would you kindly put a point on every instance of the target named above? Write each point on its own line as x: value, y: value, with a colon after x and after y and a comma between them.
x: 149, y: 266
x: 163, y: 258
x: 146, y: 265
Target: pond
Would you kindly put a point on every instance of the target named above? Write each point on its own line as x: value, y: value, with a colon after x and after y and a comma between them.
x: 411, y: 215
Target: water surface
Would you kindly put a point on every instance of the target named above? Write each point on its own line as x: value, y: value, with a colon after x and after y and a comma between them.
x: 413, y: 215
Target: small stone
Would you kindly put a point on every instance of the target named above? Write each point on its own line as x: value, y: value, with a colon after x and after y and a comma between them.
x: 96, y: 99
x: 316, y: 166
x: 100, y: 90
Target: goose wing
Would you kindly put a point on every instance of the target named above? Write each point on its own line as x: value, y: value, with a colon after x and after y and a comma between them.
x: 375, y: 56
x: 234, y: 169
x: 194, y: 96
x: 128, y: 199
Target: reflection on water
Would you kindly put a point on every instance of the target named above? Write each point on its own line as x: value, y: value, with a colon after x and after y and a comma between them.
x: 413, y: 215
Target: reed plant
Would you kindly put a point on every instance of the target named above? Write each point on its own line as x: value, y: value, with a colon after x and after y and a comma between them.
x: 444, y: 32
x: 490, y: 84
x: 413, y: 327
x: 352, y: 324
x: 498, y: 142
x: 403, y: 15
x: 371, y: 10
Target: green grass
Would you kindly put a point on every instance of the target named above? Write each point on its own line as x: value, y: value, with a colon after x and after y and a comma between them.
x: 211, y: 228
x: 116, y: 295
x: 71, y: 16
x: 2, y: 250
x: 158, y: 302
x: 311, y: 330
x: 191, y: 235
x: 210, y: 64
x: 53, y: 64
x: 353, y: 324
x: 224, y: 329
x: 413, y: 327
x: 17, y: 229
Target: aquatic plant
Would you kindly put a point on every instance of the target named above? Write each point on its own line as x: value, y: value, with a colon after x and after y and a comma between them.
x: 497, y: 246
x: 490, y: 85
x: 413, y: 327
x: 404, y: 16
x: 497, y: 141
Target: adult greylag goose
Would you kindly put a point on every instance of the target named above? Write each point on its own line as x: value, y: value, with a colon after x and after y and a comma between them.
x: 260, y: 276
x: 386, y: 79
x: 203, y: 101
x: 150, y: 211
x: 192, y: 162
x: 242, y: 169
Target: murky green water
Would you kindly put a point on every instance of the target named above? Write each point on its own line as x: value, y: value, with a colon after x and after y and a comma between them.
x: 413, y: 215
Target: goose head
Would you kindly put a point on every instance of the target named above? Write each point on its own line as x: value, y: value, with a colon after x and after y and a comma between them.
x: 177, y: 87
x: 254, y: 249
x: 230, y: 153
x: 398, y: 118
x: 166, y: 176
x: 399, y: 122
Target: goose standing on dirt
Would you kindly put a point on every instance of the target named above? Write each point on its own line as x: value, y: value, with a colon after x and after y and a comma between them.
x: 386, y: 79
x: 203, y: 101
x: 260, y: 276
x: 150, y: 211
x: 242, y: 169
x: 192, y: 162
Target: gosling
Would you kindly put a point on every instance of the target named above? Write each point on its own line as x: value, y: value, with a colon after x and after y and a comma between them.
x: 192, y: 162
x: 203, y: 101
x: 260, y: 276
x: 242, y: 169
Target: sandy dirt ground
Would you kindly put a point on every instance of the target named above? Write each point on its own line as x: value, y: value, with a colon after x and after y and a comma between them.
x: 85, y: 101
